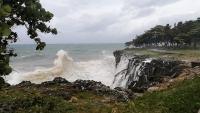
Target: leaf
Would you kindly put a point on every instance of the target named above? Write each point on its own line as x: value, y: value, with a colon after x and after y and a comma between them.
x: 5, y: 29
x: 6, y: 32
x: 7, y: 8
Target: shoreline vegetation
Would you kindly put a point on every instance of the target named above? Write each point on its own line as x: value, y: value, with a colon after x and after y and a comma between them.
x: 181, y: 35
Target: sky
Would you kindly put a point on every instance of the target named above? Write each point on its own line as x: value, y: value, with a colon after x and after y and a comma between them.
x: 110, y: 21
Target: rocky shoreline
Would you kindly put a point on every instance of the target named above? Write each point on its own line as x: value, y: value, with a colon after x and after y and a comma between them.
x: 140, y: 74
x: 144, y: 73
x: 66, y: 89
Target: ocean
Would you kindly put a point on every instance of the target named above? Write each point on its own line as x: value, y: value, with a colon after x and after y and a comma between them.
x: 70, y: 61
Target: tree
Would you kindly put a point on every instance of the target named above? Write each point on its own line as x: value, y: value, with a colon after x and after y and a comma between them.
x: 28, y: 13
x: 195, y: 34
x: 183, y: 34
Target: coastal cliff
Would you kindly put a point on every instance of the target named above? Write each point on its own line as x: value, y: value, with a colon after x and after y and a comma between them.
x: 140, y: 72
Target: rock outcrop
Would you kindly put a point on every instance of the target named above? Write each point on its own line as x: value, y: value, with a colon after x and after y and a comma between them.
x: 60, y: 87
x: 118, y: 94
x: 141, y: 72
x: 195, y: 64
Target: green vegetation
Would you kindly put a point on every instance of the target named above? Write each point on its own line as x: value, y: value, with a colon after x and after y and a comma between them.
x: 184, y: 97
x: 177, y: 54
x: 27, y: 13
x: 181, y: 35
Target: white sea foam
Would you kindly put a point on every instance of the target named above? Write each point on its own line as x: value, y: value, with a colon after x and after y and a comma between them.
x: 102, y: 70
x: 117, y: 80
x: 126, y: 69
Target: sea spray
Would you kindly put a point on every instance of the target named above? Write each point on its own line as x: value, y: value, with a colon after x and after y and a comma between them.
x: 63, y: 63
x: 64, y: 66
x: 129, y: 70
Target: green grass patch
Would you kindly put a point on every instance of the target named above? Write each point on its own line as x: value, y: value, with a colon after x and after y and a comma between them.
x: 183, y: 98
x: 179, y: 54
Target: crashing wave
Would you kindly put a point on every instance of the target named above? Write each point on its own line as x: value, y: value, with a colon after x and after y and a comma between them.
x: 129, y: 71
x: 64, y: 66
x: 63, y: 63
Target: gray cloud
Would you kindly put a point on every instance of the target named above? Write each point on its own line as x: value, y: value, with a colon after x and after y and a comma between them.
x: 148, y: 3
x: 87, y: 21
x: 142, y: 8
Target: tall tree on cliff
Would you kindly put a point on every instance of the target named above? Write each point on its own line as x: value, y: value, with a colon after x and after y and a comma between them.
x: 28, y: 13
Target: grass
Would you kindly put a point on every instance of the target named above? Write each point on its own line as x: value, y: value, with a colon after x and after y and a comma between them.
x: 179, y: 54
x: 184, y: 97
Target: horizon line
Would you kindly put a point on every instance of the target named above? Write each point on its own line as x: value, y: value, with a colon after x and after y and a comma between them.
x: 61, y: 43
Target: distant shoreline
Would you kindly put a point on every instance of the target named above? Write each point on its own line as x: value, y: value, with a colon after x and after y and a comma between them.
x: 72, y: 44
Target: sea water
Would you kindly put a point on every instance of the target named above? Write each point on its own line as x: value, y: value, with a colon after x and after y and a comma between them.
x: 70, y: 61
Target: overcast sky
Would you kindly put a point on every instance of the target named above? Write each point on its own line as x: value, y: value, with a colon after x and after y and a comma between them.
x: 111, y: 21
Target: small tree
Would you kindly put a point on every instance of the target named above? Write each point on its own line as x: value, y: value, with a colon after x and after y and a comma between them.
x: 28, y: 13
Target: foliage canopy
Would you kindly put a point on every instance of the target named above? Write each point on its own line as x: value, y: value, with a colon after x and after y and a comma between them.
x: 28, y: 13
x: 182, y: 34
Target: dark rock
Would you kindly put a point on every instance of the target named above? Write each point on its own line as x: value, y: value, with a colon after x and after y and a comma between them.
x: 119, y: 95
x: 118, y: 54
x: 47, y: 83
x: 195, y: 64
x: 60, y: 80
x: 142, y: 72
x: 24, y: 84
x: 128, y: 92
x: 88, y: 85
x: 115, y: 94
x: 57, y: 80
